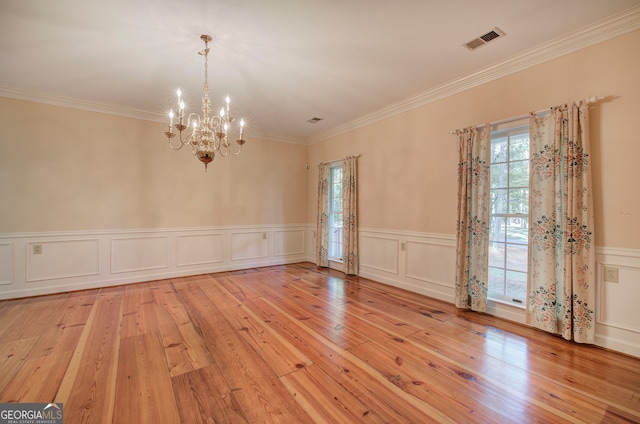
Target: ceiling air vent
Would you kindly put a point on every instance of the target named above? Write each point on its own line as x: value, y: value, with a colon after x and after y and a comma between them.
x: 484, y: 39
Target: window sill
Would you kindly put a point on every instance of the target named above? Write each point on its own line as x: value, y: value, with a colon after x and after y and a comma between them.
x: 336, y: 264
x: 520, y: 306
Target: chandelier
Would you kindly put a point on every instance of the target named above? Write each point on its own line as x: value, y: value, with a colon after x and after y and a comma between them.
x: 209, y: 133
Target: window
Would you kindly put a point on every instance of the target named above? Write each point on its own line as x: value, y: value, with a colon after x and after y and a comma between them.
x: 509, y: 211
x: 335, y: 213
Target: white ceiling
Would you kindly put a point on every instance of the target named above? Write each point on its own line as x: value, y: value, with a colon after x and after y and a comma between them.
x: 282, y: 62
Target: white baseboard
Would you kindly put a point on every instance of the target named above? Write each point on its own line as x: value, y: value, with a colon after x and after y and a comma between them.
x: 425, y: 263
x: 43, y: 263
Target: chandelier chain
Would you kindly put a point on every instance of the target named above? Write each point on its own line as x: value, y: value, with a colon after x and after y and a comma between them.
x: 205, y: 88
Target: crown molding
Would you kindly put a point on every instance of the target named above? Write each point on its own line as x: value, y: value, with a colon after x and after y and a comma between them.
x: 276, y: 137
x: 82, y: 104
x: 598, y: 32
x: 112, y: 109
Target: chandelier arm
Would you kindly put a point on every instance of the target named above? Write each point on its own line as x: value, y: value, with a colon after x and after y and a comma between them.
x: 231, y: 150
x: 183, y: 141
x: 191, y: 118
x: 180, y: 146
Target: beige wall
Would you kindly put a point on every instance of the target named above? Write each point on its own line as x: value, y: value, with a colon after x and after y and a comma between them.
x: 77, y: 170
x: 63, y: 169
x: 408, y: 166
x: 89, y: 178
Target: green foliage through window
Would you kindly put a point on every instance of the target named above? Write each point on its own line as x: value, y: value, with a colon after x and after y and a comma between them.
x: 509, y: 223
x: 335, y: 213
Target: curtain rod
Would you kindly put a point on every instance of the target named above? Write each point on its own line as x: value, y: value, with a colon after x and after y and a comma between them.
x: 519, y: 117
x: 338, y: 160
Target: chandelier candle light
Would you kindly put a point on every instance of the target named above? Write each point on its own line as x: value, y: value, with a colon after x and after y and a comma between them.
x: 210, y: 133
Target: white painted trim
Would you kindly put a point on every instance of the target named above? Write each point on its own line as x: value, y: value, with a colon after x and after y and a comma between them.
x: 191, y: 236
x: 116, y: 110
x: 597, y: 32
x: 163, y: 260
x: 147, y: 230
x: 620, y: 342
x: 29, y: 248
x: 394, y: 240
x: 302, y: 232
x: 619, y: 336
x: 81, y: 104
x: 11, y: 261
x: 506, y: 311
x: 399, y: 276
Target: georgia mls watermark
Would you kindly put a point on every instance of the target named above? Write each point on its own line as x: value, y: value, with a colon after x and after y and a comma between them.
x: 31, y: 413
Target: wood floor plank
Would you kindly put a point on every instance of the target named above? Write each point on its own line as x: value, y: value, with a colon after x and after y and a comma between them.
x: 88, y: 389
x: 139, y: 313
x: 31, y: 316
x: 415, y: 383
x: 144, y: 393
x: 322, y: 320
x: 67, y: 325
x: 541, y: 354
x: 296, y: 344
x: 545, y: 382
x: 12, y: 356
x: 369, y: 323
x: 256, y: 388
x: 408, y: 310
x: 38, y: 379
x: 203, y: 396
x: 325, y: 400
x: 378, y: 394
x: 241, y: 285
x: 376, y: 317
x: 433, y: 378
x: 184, y: 346
x: 591, y: 360
x: 281, y: 356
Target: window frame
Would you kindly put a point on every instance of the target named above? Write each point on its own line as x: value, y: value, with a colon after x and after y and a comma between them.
x: 513, y: 131
x: 335, y: 217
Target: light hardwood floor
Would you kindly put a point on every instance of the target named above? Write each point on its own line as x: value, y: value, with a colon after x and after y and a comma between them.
x: 297, y: 344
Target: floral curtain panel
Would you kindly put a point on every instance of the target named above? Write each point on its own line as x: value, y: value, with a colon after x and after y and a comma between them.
x: 471, y: 284
x: 562, y: 254
x: 322, y: 228
x: 350, y: 215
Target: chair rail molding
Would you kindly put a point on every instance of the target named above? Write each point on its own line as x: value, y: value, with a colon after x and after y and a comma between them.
x: 52, y: 262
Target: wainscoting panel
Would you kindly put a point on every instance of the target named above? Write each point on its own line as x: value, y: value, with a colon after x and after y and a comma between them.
x: 430, y: 262
x: 617, y: 308
x: 142, y: 253
x: 249, y: 245
x: 56, y: 259
x: 289, y: 242
x: 425, y: 263
x: 379, y: 253
x: 422, y: 263
x: 199, y: 249
x: 311, y: 243
x: 6, y: 263
x: 42, y: 263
